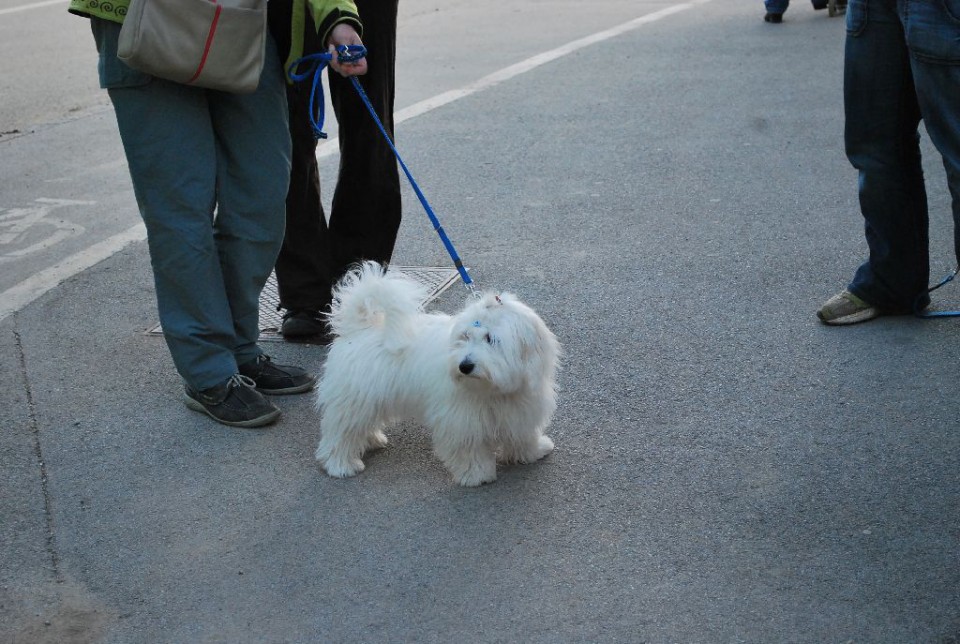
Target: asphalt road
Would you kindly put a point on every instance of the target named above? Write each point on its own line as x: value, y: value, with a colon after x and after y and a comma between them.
x: 675, y: 202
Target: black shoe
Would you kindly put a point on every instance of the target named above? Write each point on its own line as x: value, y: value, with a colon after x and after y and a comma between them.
x: 275, y: 379
x: 235, y: 403
x: 773, y: 17
x: 819, y: 4
x: 303, y: 324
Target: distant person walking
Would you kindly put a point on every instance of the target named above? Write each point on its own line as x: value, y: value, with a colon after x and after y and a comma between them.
x: 776, y: 8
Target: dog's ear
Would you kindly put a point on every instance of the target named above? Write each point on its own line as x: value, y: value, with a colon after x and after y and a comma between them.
x: 501, y: 299
x: 539, y: 350
x: 492, y: 300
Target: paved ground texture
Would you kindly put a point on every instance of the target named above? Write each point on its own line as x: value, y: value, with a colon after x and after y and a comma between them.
x: 675, y: 202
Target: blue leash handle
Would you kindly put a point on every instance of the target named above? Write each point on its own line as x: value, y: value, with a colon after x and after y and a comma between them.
x: 315, y: 64
x: 348, y: 54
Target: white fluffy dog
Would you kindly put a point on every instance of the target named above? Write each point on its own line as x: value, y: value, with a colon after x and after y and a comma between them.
x: 482, y: 380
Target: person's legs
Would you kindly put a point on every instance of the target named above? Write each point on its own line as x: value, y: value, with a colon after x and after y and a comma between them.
x: 304, y: 278
x: 776, y: 7
x: 253, y: 173
x: 303, y: 268
x: 171, y: 153
x: 882, y: 142
x: 933, y: 38
x: 366, y: 209
x: 174, y: 157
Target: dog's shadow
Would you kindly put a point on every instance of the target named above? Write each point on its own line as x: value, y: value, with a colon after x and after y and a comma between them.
x: 409, y: 456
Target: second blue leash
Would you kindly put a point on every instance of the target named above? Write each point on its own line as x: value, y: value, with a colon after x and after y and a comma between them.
x: 918, y: 310
x: 349, y: 54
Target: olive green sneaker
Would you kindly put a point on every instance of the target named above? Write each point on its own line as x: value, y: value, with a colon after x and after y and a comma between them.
x: 846, y: 308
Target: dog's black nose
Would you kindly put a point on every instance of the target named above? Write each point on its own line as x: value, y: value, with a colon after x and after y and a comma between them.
x: 466, y: 367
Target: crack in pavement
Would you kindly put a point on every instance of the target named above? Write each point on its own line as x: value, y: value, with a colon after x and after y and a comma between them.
x: 51, y: 546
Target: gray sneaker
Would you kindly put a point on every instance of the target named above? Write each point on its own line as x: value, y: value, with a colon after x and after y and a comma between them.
x: 277, y: 379
x: 846, y: 308
x: 236, y: 402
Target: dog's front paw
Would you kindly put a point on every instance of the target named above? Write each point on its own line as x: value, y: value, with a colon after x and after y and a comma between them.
x: 528, y: 453
x: 474, y: 479
x: 342, y: 469
x: 377, y: 440
x: 544, y: 447
x: 476, y: 473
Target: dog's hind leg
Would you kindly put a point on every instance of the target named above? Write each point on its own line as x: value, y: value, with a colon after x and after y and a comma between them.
x: 337, y: 460
x: 343, y: 441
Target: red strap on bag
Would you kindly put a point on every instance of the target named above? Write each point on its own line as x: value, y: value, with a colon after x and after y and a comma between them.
x: 206, y: 47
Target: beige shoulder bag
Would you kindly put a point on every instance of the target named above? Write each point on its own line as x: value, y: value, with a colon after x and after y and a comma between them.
x: 218, y: 44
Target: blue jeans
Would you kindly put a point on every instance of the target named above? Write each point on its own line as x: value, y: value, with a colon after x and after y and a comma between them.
x: 902, y: 64
x: 210, y: 172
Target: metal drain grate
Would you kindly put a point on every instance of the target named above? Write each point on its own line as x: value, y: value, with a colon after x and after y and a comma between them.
x: 436, y: 279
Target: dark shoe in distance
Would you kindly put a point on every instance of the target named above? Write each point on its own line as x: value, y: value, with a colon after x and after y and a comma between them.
x: 277, y: 379
x: 819, y: 4
x: 304, y: 324
x: 775, y: 18
x: 235, y: 402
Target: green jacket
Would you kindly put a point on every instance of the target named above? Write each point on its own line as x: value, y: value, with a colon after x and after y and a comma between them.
x: 326, y: 15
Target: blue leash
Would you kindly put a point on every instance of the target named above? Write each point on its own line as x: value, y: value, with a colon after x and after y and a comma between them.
x: 351, y: 53
x: 316, y: 63
x: 918, y: 309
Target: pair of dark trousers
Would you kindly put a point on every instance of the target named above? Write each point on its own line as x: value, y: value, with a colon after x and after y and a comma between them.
x: 902, y: 64
x: 366, y: 209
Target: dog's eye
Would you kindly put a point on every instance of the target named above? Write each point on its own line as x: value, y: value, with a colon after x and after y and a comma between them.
x: 488, y: 339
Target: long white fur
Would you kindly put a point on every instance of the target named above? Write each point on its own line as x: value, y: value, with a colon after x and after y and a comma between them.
x: 391, y: 361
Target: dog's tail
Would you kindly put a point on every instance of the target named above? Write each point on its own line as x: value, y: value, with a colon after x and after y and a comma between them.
x: 367, y: 297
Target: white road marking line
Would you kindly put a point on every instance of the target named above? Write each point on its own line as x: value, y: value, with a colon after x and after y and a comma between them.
x: 15, y: 223
x: 17, y: 297
x: 330, y: 147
